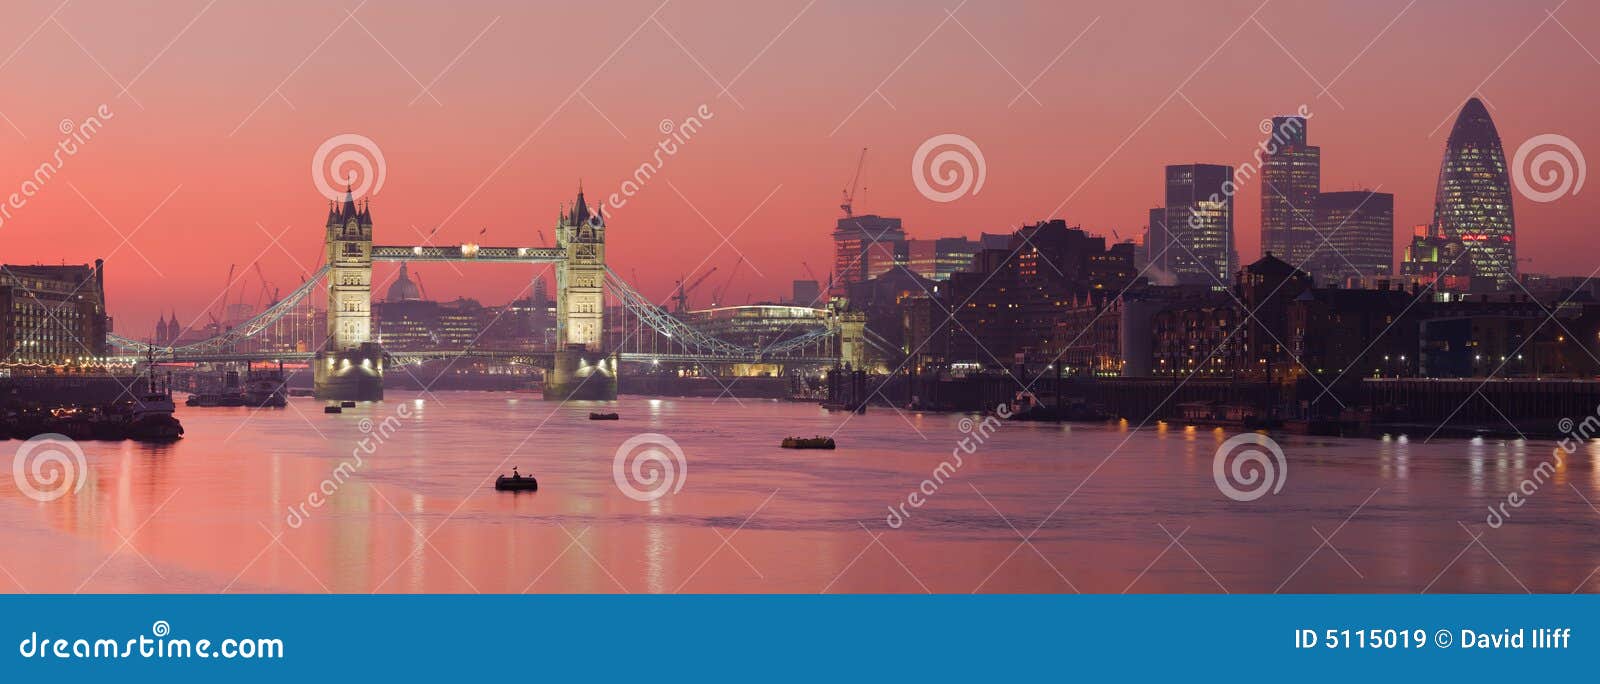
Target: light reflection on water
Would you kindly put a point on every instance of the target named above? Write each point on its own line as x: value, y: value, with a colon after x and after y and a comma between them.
x: 208, y: 513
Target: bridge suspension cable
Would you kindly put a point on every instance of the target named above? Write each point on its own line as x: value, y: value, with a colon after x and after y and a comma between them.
x: 228, y: 339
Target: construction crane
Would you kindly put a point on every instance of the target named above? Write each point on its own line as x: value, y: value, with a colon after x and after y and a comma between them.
x: 848, y: 205
x: 227, y: 289
x: 718, y: 295
x: 811, y: 273
x: 682, y: 295
x: 421, y: 290
x: 266, y: 290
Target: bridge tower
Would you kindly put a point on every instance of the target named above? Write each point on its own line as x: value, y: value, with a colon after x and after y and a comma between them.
x: 350, y: 364
x: 583, y: 368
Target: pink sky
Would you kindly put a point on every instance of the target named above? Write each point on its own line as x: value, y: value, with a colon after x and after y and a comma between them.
x: 225, y: 105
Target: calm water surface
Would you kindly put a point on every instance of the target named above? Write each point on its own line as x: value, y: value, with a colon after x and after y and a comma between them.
x: 211, y: 512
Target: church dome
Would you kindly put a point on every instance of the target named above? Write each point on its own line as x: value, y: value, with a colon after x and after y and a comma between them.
x: 403, y: 290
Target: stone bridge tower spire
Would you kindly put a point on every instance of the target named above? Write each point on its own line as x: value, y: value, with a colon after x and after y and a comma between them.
x: 350, y: 365
x: 583, y: 368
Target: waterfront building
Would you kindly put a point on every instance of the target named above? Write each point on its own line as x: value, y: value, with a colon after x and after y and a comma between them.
x: 1199, y: 222
x: 1265, y: 289
x: 1340, y: 333
x: 1291, y: 179
x: 53, y: 315
x: 1359, y: 228
x: 1194, y: 339
x: 1507, y: 338
x: 1473, y: 201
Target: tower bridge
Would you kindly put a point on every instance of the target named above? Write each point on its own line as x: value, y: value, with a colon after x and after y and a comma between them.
x: 582, y: 365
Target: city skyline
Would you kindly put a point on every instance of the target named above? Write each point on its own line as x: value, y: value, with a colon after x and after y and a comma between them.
x: 227, y: 176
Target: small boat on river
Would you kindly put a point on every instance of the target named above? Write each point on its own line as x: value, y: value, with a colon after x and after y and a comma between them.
x: 808, y: 443
x: 517, y: 482
x: 604, y: 416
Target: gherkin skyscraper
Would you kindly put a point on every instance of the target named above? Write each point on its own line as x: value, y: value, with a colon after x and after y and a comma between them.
x: 1473, y: 201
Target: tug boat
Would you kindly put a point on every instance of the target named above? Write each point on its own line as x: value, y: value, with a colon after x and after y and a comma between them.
x: 808, y: 443
x: 148, y: 417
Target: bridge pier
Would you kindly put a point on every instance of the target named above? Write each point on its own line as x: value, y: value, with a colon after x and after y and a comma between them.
x: 581, y: 375
x: 351, y: 374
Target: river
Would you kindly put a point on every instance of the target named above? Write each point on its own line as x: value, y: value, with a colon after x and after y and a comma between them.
x: 277, y: 500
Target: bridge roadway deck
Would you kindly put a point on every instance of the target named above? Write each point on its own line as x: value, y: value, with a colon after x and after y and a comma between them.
x: 524, y: 357
x: 510, y: 255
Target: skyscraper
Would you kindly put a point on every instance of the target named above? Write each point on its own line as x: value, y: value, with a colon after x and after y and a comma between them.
x: 1200, y: 224
x: 1473, y: 201
x: 1359, y: 228
x: 1291, y: 177
x: 860, y: 242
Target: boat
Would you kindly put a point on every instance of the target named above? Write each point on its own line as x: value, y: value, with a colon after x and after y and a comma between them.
x: 332, y: 408
x: 149, y: 415
x: 604, y: 416
x: 516, y: 483
x: 808, y: 443
x: 347, y: 404
x: 265, y: 389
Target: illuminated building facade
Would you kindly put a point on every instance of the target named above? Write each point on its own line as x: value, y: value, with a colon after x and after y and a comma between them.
x: 53, y: 315
x: 1473, y: 200
x: 936, y: 259
x: 862, y: 243
x: 1199, y: 222
x: 1291, y: 178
